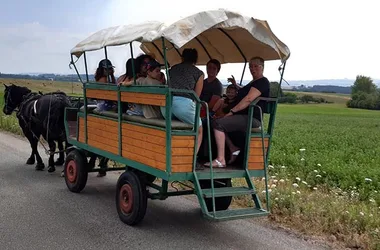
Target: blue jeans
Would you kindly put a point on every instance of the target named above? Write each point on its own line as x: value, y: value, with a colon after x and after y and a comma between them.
x: 183, y: 109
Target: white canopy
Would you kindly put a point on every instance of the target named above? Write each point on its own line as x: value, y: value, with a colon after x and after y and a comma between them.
x: 220, y: 34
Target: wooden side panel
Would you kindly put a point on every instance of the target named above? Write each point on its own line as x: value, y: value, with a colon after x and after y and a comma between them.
x: 101, y: 133
x: 182, y: 153
x: 143, y: 98
x: 256, y: 160
x: 101, y: 94
x: 144, y: 145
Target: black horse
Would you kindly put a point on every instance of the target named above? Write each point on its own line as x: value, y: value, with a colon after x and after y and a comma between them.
x: 39, y: 115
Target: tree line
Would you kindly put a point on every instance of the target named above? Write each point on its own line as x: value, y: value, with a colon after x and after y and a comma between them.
x: 364, y: 94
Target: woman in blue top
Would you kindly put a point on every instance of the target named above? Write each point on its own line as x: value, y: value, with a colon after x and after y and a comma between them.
x: 237, y: 118
x: 186, y: 76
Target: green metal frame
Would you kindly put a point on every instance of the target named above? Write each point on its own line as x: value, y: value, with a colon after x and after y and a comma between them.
x: 195, y: 176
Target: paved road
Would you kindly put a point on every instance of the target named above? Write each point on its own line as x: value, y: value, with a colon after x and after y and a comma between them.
x: 38, y: 212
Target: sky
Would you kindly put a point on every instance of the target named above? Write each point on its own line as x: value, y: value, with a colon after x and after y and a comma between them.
x: 327, y: 39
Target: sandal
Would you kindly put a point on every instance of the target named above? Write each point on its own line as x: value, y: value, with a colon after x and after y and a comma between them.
x: 233, y: 156
x: 219, y: 164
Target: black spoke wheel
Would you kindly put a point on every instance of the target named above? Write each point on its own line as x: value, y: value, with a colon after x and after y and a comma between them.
x: 221, y: 203
x: 75, y: 171
x: 131, y: 198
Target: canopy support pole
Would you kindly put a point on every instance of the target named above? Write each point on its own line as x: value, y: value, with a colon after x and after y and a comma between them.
x: 75, y: 67
x: 85, y: 65
x: 105, y: 53
x: 208, y: 54
x: 237, y: 46
x: 133, y: 64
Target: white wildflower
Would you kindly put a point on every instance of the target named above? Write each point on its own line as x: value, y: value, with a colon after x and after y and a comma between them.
x: 283, y: 167
x: 263, y: 191
x: 361, y: 213
x: 269, y: 190
x: 273, y: 186
x: 298, y: 192
x: 275, y: 181
x: 371, y: 215
x: 315, y: 171
x: 347, y: 212
x: 375, y: 191
x: 298, y: 178
x: 319, y: 165
x: 282, y: 180
x: 368, y: 179
x: 309, y: 186
x: 293, y: 192
x: 302, y: 159
x: 295, y: 185
x: 263, y: 179
x: 270, y: 166
x: 315, y: 188
x: 372, y: 200
x: 318, y: 176
x: 304, y: 182
x: 273, y: 177
x: 302, y: 150
x: 276, y: 199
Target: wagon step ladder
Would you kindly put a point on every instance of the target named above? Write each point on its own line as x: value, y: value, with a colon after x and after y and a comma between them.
x: 224, y: 191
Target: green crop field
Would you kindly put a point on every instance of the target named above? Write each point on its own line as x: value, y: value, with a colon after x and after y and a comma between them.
x: 324, y: 167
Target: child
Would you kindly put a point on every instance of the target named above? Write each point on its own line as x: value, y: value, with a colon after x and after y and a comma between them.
x: 224, y: 104
x: 153, y: 77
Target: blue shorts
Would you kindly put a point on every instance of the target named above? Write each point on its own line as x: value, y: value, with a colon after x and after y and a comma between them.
x: 183, y: 109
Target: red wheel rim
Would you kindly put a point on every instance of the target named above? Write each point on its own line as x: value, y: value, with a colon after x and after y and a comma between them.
x: 71, y: 171
x: 126, y: 198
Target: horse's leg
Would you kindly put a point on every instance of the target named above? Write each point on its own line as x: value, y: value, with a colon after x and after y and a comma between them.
x: 31, y: 160
x: 52, y: 147
x: 61, y: 158
x: 40, y: 164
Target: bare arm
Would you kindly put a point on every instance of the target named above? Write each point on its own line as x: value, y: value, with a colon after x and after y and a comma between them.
x: 199, y: 86
x: 244, y: 103
x: 233, y: 81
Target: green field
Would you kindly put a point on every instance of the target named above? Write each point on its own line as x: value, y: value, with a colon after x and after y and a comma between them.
x: 341, y: 160
x: 330, y: 97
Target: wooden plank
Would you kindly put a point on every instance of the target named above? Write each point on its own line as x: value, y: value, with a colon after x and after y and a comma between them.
x: 182, y: 152
x: 159, y: 141
x: 182, y: 160
x: 154, y: 102
x: 108, y: 141
x: 255, y: 159
x: 257, y: 142
x: 149, y: 131
x: 143, y: 160
x: 146, y: 153
x: 183, y: 141
x: 130, y: 142
x: 101, y: 94
x: 102, y: 146
x: 102, y: 121
x: 256, y: 166
x: 257, y: 151
x: 102, y: 127
x: 143, y: 95
x: 182, y: 168
x: 103, y: 133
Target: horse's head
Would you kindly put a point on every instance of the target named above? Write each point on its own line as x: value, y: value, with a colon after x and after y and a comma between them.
x: 13, y: 97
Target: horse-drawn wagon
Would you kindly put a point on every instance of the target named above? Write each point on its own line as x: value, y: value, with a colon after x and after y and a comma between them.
x: 165, y: 149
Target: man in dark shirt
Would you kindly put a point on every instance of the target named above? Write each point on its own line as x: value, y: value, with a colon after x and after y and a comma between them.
x: 237, y: 119
x: 211, y: 85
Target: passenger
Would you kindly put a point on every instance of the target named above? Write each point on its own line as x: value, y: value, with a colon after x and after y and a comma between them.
x: 141, y: 65
x: 153, y: 78
x: 237, y: 118
x: 224, y: 105
x: 128, y: 75
x: 186, y: 76
x: 105, y: 74
x: 212, y: 88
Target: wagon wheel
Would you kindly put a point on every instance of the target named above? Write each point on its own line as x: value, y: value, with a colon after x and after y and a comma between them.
x: 221, y: 203
x: 75, y: 171
x: 131, y: 198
